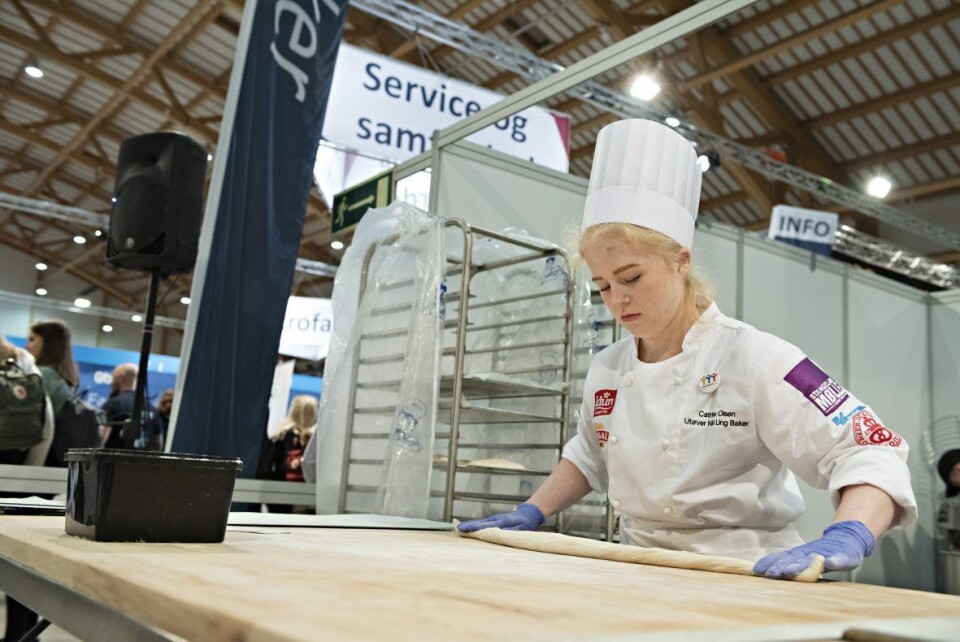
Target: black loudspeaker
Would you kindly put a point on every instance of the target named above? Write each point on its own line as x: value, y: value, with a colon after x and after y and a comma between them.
x: 157, y: 203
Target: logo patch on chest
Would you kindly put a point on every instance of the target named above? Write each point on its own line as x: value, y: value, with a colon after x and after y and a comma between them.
x: 603, y: 435
x: 822, y: 391
x: 868, y: 431
x: 603, y: 401
x: 709, y: 382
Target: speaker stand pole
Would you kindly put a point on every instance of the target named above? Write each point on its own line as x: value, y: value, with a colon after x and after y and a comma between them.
x: 133, y: 428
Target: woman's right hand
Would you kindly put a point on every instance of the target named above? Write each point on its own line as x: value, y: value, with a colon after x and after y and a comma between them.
x: 527, y: 517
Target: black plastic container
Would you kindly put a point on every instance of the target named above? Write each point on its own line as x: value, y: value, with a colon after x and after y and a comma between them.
x: 133, y: 495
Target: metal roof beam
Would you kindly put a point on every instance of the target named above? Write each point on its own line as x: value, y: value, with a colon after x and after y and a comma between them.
x: 467, y: 40
x: 899, y: 153
x: 94, y: 73
x: 920, y: 90
x: 899, y: 32
x: 195, y: 15
x: 130, y: 43
x: 743, y: 61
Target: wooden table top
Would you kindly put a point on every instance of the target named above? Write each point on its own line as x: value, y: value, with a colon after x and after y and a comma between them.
x: 342, y: 584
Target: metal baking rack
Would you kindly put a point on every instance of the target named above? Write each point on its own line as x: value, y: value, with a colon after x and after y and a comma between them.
x: 488, y: 390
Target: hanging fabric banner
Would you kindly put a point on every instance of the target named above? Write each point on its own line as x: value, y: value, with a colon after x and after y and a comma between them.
x: 252, y: 225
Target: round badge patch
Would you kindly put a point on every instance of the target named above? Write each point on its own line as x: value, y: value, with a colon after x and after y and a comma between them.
x: 709, y: 382
x: 19, y: 392
x: 868, y: 431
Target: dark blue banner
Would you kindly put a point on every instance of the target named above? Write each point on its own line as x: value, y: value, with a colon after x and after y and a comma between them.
x: 248, y: 252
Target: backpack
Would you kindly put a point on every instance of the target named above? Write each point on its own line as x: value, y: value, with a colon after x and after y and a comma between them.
x: 76, y: 426
x: 22, y: 406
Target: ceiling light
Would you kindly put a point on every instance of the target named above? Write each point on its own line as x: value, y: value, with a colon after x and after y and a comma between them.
x: 113, y: 199
x: 80, y: 302
x: 98, y: 233
x: 337, y: 245
x: 41, y: 266
x: 879, y: 187
x: 136, y: 318
x: 33, y: 70
x: 708, y: 160
x: 41, y: 291
x: 79, y: 239
x: 209, y: 157
x: 106, y: 327
x: 644, y: 87
x: 185, y: 300
x: 673, y: 122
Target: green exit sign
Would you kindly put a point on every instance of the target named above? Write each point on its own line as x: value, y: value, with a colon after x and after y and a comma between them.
x: 350, y: 205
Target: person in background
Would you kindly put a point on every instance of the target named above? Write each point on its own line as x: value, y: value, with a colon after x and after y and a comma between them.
x: 19, y: 618
x: 308, y: 463
x: 283, y: 448
x: 948, y: 467
x: 695, y: 424
x: 118, y: 407
x: 49, y: 343
x: 156, y: 432
x: 36, y: 455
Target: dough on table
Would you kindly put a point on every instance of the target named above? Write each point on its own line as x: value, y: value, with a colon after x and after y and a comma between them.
x: 495, y: 463
x: 581, y: 547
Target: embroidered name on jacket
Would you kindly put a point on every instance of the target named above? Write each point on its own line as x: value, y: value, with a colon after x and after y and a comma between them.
x: 716, y: 419
x: 822, y: 391
x: 603, y: 401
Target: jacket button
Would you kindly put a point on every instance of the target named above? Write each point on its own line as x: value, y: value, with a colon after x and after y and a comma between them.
x: 665, y: 444
x: 616, y: 503
x: 667, y: 510
x: 677, y: 381
x: 628, y: 382
x: 613, y: 439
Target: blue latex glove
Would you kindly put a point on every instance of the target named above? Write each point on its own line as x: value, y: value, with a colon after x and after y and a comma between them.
x: 527, y: 517
x: 843, y: 547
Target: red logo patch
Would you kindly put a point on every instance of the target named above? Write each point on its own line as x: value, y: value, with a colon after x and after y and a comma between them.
x: 603, y: 401
x: 19, y: 392
x: 868, y: 431
x: 603, y: 435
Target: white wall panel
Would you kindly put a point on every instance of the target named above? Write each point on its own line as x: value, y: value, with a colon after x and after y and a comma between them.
x: 496, y: 191
x: 800, y: 301
x: 944, y: 431
x: 715, y: 251
x: 889, y: 371
x: 945, y: 332
x: 19, y: 275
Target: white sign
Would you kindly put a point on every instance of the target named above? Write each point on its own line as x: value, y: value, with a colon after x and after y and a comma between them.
x: 800, y: 224
x: 279, y: 397
x: 307, y: 328
x: 335, y: 170
x: 389, y: 109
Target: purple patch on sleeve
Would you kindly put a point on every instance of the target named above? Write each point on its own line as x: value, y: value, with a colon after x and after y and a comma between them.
x: 822, y: 391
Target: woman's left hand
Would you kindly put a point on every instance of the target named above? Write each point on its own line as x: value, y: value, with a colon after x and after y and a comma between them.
x: 843, y: 547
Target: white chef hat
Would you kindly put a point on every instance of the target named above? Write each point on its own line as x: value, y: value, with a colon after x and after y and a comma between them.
x: 646, y: 174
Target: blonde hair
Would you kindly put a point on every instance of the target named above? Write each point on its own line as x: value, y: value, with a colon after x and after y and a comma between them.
x: 301, y: 418
x: 698, y: 291
x: 165, y: 405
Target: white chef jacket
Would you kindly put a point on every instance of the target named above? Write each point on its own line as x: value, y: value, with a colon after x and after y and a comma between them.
x: 696, y: 452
